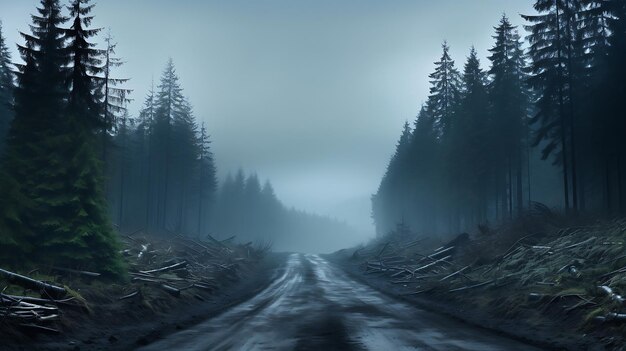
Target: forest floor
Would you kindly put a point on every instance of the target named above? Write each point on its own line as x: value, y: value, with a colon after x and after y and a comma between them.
x: 206, y: 279
x: 545, y: 279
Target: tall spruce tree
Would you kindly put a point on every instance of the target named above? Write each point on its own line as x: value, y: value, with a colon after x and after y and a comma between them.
x: 509, y: 106
x: 169, y: 103
x: 468, y: 166
x: 613, y: 97
x: 425, y: 173
x: 444, y: 91
x: 114, y: 97
x: 552, y: 40
x: 391, y: 202
x: 144, y: 158
x: 50, y: 158
x: 6, y: 90
x: 207, y: 182
x: 35, y: 166
x: 184, y: 163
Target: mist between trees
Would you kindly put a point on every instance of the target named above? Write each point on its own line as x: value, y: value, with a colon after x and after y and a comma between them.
x: 76, y: 166
x: 545, y: 122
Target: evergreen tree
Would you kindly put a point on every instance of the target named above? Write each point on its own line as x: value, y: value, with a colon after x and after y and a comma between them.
x: 509, y: 105
x: 391, y: 202
x: 552, y: 51
x: 122, y: 166
x: 184, y: 161
x: 144, y: 159
x: 207, y: 182
x: 425, y: 173
x: 34, y: 165
x: 50, y: 153
x: 169, y: 102
x: 467, y: 162
x: 6, y: 90
x: 444, y: 91
x: 616, y: 87
x: 114, y: 96
x: 90, y: 230
x: 85, y: 59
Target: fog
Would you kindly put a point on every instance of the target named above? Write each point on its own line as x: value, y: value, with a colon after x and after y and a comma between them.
x: 308, y: 94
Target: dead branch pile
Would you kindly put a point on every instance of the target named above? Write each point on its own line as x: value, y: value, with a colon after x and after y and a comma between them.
x: 577, y: 268
x: 182, y: 263
x: 31, y: 313
x: 178, y: 266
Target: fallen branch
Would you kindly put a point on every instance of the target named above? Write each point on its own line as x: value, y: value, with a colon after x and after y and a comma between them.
x: 68, y: 270
x: 45, y: 289
x: 171, y: 290
x: 455, y: 273
x: 472, y: 286
x: 167, y: 268
x: 133, y: 294
x: 430, y: 264
x: 40, y: 328
x: 437, y: 253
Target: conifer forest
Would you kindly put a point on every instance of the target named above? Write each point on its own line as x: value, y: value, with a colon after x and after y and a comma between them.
x: 207, y: 175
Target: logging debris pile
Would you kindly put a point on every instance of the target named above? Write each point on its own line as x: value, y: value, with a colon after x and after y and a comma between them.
x: 160, y: 271
x: 574, y: 271
x: 181, y: 263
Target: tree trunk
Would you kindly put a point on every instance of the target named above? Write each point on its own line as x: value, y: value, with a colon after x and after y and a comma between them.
x: 562, y: 113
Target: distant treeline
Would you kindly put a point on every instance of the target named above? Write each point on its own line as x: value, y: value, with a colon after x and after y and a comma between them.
x: 73, y: 158
x: 252, y: 211
x: 466, y: 159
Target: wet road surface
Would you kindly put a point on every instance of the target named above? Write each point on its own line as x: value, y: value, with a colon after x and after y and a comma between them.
x: 312, y: 305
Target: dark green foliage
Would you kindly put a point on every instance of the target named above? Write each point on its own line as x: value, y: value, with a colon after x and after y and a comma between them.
x: 556, y: 50
x: 508, y: 130
x: 55, y: 196
x: 438, y: 178
x: 470, y: 155
x: 6, y: 90
x: 82, y: 102
x: 35, y: 161
x: 444, y: 91
x: 161, y: 170
x: 468, y: 146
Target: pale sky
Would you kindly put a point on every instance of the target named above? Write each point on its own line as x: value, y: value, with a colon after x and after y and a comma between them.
x: 310, y: 94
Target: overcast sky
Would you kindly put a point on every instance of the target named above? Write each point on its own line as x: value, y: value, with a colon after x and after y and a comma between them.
x: 310, y: 94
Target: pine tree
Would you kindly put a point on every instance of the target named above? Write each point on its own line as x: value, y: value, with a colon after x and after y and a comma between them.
x: 145, y: 158
x: 85, y: 65
x: 466, y: 158
x: 6, y: 90
x: 123, y: 165
x: 509, y: 112
x: 169, y: 102
x: 207, y: 182
x: 114, y: 96
x: 34, y: 164
x: 615, y: 95
x: 391, y: 202
x: 444, y: 91
x: 552, y: 51
x: 425, y: 173
x: 50, y: 157
x: 184, y: 160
